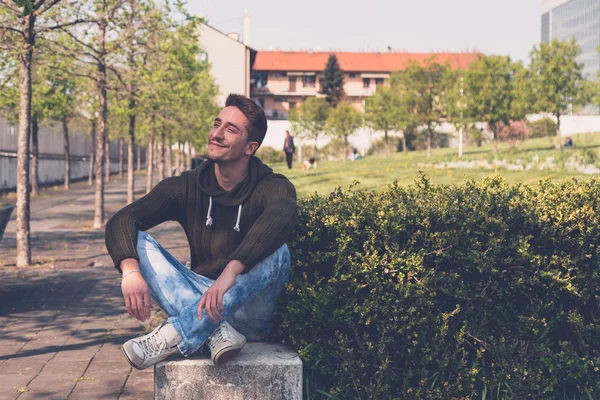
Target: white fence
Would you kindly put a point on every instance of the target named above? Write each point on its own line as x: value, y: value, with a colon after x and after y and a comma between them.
x: 51, y: 156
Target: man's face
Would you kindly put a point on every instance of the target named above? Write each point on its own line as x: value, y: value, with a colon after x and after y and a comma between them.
x: 228, y: 138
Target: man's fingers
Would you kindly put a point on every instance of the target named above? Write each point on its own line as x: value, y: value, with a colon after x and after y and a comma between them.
x: 140, y: 304
x: 147, y: 305
x: 214, y: 307
x: 209, y: 307
x: 201, y: 306
x: 220, y: 303
x: 127, y: 303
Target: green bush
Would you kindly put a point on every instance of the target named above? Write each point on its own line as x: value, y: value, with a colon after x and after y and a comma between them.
x: 482, y: 290
x: 378, y: 146
x: 269, y: 155
x: 542, y: 128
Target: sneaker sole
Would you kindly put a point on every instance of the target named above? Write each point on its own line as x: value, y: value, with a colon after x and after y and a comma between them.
x: 129, y: 360
x: 227, y: 354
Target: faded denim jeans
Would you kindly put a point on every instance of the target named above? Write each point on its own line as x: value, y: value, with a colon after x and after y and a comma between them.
x: 249, y: 304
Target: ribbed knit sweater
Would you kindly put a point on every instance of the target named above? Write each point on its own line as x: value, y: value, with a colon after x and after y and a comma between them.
x: 265, y: 220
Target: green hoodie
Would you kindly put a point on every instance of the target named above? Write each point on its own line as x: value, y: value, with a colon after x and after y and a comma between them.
x: 246, y: 223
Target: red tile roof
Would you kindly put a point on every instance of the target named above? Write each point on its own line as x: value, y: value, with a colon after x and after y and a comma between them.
x: 352, y: 61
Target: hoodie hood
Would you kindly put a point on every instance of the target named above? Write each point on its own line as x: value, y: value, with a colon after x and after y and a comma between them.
x: 240, y: 193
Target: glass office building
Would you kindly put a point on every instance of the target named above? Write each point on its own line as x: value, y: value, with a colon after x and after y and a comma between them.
x: 580, y: 19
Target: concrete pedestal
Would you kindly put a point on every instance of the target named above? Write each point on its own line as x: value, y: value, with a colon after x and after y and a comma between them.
x: 261, y: 371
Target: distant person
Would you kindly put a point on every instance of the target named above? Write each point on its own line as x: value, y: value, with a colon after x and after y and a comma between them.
x: 568, y: 142
x: 289, y: 148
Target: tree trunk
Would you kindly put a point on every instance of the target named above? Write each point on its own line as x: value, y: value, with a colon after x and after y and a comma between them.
x: 25, y: 59
x: 35, y: 182
x: 182, y: 158
x: 189, y: 156
x: 345, y: 147
x: 169, y: 156
x: 99, y: 201
x: 558, y: 138
x: 161, y: 165
x: 150, y: 157
x: 429, y: 136
x: 121, y: 163
x: 130, y: 144
x: 156, y: 157
x: 107, y: 160
x: 495, y: 140
x: 65, y: 124
x: 387, y: 143
x: 139, y: 158
x: 92, y: 153
x: 404, y: 149
x: 178, y: 160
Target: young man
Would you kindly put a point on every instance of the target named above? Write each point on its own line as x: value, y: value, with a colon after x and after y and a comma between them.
x: 237, y: 215
x: 289, y: 148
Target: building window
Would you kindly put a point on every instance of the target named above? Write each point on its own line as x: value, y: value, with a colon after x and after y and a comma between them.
x: 280, y: 99
x: 309, y: 81
x: 260, y: 79
x: 366, y: 83
x: 352, y: 74
x: 378, y: 81
x: 292, y: 81
x: 292, y: 105
x: 278, y: 74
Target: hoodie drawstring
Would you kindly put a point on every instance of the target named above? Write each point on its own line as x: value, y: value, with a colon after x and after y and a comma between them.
x: 209, y: 220
x: 237, y: 223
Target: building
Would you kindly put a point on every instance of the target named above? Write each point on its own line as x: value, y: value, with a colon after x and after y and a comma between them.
x: 283, y: 79
x: 231, y: 59
x: 579, y: 19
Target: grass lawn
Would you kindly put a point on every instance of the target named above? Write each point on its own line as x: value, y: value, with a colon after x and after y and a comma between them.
x: 376, y: 172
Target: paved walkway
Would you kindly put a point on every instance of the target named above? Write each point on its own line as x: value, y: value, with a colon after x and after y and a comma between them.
x: 62, y: 321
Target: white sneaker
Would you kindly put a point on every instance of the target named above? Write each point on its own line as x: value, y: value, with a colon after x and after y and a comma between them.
x: 150, y: 349
x: 225, y: 343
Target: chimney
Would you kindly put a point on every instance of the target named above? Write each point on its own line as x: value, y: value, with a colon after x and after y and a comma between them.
x: 246, y: 28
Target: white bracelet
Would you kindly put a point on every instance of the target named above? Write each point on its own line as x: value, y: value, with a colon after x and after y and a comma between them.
x: 129, y: 273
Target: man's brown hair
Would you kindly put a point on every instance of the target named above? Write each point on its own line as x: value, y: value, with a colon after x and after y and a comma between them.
x: 257, y: 128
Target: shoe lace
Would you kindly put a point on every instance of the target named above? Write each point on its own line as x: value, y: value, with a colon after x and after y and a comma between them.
x: 218, y: 337
x: 153, y: 345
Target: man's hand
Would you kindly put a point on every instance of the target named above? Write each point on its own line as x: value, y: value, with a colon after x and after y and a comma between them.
x: 212, y: 300
x: 135, y: 291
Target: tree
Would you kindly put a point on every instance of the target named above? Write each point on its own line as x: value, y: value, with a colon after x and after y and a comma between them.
x: 425, y: 87
x: 489, y: 91
x: 342, y: 122
x: 308, y: 119
x: 388, y: 111
x: 558, y: 81
x: 19, y: 31
x: 332, y: 82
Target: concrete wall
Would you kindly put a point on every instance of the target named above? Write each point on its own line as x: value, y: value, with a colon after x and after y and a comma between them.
x: 228, y: 62
x: 573, y: 124
x: 361, y: 140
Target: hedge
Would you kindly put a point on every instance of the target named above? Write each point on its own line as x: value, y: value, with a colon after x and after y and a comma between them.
x: 481, y: 290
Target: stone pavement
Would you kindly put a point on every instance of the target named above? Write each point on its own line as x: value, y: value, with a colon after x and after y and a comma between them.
x: 63, y: 320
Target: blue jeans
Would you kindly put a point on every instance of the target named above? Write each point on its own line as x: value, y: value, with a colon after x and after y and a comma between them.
x: 249, y: 304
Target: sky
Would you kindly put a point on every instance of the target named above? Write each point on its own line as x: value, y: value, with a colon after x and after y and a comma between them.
x: 507, y: 27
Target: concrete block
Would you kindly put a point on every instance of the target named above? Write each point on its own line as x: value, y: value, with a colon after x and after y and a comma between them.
x: 261, y: 371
